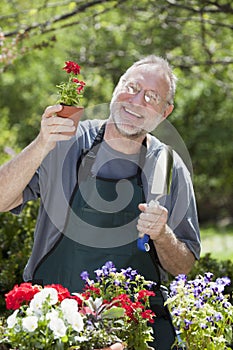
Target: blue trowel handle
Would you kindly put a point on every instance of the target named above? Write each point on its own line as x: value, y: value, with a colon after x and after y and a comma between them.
x: 143, y: 244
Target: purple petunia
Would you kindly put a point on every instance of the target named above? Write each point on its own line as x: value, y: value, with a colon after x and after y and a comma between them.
x: 130, y: 273
x: 203, y: 325
x: 98, y: 274
x: 208, y: 276
x: 210, y: 320
x: 218, y: 316
x: 199, y: 303
x: 85, y: 276
x: 187, y: 323
x: 105, y: 270
x: 117, y: 282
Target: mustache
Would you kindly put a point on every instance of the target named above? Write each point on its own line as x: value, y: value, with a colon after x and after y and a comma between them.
x: 142, y: 111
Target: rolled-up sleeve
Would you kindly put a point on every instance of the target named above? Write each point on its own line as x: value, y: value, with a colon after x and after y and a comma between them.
x: 31, y: 192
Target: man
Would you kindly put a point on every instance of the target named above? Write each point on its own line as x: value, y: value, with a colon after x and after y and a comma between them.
x: 94, y: 188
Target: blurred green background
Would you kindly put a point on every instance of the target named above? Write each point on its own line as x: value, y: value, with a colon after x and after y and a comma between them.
x: 105, y: 37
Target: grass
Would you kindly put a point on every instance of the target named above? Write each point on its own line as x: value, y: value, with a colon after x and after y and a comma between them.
x: 218, y: 241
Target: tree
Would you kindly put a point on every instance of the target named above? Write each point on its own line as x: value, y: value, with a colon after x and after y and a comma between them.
x: 195, y: 21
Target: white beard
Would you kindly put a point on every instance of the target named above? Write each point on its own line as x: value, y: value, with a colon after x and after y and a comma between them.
x: 143, y: 120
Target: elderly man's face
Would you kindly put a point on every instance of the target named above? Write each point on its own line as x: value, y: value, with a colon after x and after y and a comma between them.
x: 139, y: 102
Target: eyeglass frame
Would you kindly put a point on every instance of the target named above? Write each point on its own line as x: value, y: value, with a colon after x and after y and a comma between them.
x: 139, y: 89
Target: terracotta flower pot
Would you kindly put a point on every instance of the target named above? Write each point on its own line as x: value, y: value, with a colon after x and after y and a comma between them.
x: 72, y: 112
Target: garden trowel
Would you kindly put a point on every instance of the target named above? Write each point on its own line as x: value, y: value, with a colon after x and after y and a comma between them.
x: 161, y: 184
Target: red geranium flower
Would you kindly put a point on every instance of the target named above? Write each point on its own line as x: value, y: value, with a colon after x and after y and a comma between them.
x: 90, y: 291
x: 81, y: 86
x: 149, y: 315
x: 143, y: 294
x: 20, y: 295
x: 72, y: 67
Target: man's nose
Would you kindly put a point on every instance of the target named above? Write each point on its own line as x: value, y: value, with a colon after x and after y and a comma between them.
x: 138, y: 98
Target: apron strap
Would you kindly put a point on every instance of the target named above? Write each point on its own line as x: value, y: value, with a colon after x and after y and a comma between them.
x: 141, y: 162
x: 87, y: 158
x: 155, y: 261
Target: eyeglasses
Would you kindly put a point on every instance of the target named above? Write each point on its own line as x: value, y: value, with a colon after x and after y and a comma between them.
x: 150, y: 96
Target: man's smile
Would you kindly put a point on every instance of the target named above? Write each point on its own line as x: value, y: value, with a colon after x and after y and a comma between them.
x: 132, y: 112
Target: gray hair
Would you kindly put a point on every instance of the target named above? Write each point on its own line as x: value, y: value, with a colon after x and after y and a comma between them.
x: 165, y: 66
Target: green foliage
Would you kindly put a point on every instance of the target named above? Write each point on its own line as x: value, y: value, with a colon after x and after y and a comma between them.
x: 8, y: 140
x: 217, y: 240
x: 207, y: 110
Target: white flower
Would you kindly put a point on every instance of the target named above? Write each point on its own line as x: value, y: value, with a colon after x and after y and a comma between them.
x: 58, y: 327
x: 70, y: 311
x: 68, y: 306
x: 29, y: 312
x: 30, y: 323
x: 12, y: 319
x: 47, y: 294
x: 53, y: 314
x: 80, y: 339
x: 35, y: 306
x: 76, y: 321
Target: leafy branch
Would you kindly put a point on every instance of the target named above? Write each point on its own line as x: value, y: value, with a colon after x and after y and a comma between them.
x: 58, y: 18
x: 208, y: 15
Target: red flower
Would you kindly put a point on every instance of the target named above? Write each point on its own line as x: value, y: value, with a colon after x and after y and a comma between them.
x: 20, y: 295
x: 72, y: 67
x: 71, y: 92
x: 143, y: 294
x: 79, y: 300
x: 89, y: 291
x: 149, y: 315
x: 82, y: 83
x: 124, y: 301
x: 80, y: 87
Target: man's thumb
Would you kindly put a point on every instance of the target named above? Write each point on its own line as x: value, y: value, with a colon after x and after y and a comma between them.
x: 142, y: 206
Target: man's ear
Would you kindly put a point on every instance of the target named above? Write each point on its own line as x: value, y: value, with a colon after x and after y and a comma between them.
x: 168, y: 111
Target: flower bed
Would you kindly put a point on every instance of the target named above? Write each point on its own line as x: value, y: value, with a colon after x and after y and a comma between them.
x: 112, y: 309
x: 202, y: 315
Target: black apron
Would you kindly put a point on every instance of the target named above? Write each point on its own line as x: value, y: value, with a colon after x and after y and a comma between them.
x: 94, y: 236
